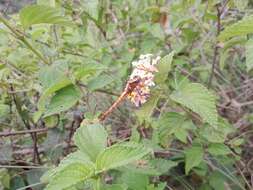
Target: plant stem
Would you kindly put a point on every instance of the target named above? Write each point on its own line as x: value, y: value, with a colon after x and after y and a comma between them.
x: 104, y: 115
x: 13, y: 133
x: 21, y: 37
x: 97, y: 183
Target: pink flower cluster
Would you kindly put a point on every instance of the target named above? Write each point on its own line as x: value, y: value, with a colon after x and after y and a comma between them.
x: 144, y: 70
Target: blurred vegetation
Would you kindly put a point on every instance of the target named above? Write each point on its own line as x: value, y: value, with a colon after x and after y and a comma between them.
x: 64, y: 62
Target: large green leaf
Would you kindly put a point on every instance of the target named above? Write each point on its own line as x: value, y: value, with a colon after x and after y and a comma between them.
x: 70, y: 175
x: 193, y: 157
x: 198, y: 99
x: 50, y: 75
x: 75, y: 157
x: 64, y: 99
x: 240, y: 28
x: 91, y: 140
x: 120, y: 155
x: 38, y: 14
x: 249, y: 54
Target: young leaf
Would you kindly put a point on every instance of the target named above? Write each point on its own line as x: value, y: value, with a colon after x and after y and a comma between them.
x: 193, y: 157
x: 70, y: 175
x: 91, y: 140
x: 240, y: 28
x: 198, y: 99
x: 63, y: 100
x: 164, y: 66
x: 120, y: 155
x: 145, y: 111
x: 38, y: 14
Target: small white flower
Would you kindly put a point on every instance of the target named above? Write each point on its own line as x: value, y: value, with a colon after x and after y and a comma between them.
x: 144, y: 70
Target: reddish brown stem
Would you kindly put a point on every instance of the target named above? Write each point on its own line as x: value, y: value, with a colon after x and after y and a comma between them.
x: 103, y: 116
x: 131, y: 85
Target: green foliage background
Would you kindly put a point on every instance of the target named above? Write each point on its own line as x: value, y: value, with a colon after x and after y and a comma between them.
x: 64, y: 62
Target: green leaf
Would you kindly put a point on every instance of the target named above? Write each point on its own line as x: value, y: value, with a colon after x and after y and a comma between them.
x: 91, y: 140
x: 91, y: 7
x: 146, y: 110
x: 5, y: 178
x: 69, y: 176
x: 198, y: 99
x: 114, y: 187
x: 63, y: 100
x: 41, y: 14
x: 193, y: 157
x: 46, y: 2
x: 100, y: 82
x: 162, y: 166
x: 218, y: 135
x: 120, y: 155
x: 4, y: 110
x: 53, y: 79
x: 240, y: 28
x: 164, y: 67
x: 75, y: 157
x: 135, y: 180
x: 241, y: 5
x: 88, y: 70
x: 157, y: 31
x: 168, y: 124
x: 218, y: 149
x: 249, y: 54
x: 181, y: 134
x: 53, y: 74
x: 217, y: 180
x: 154, y: 167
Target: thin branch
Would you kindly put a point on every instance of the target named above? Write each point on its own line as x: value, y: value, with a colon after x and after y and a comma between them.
x: 27, y: 125
x: 104, y: 115
x: 14, y: 133
x: 215, y: 54
x: 22, y: 38
x: 23, y: 167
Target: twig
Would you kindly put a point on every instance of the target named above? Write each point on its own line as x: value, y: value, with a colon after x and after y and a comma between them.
x: 22, y: 38
x: 26, y: 167
x: 103, y: 116
x: 27, y: 125
x: 71, y: 132
x: 215, y: 54
x: 14, y: 133
x: 130, y: 86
